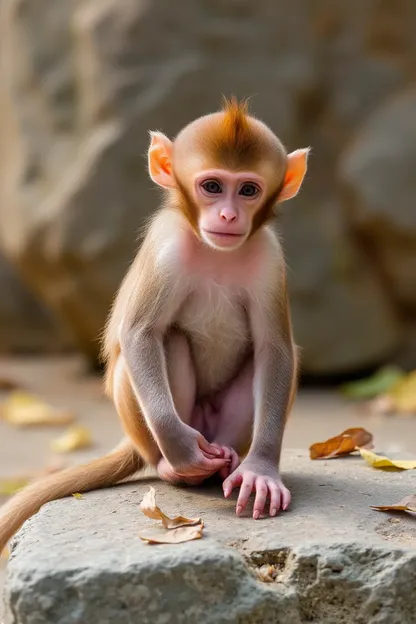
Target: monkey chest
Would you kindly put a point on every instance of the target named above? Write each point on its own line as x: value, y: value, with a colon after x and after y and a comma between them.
x: 217, y: 326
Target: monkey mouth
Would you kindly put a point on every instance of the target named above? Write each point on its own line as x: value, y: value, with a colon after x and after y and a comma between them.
x: 234, y: 235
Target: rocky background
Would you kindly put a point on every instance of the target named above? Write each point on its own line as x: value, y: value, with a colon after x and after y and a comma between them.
x: 81, y: 83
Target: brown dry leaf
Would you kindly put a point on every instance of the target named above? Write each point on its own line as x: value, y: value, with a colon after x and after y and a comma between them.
x: 175, y: 536
x: 267, y: 573
x: 408, y: 503
x: 74, y: 438
x: 151, y: 510
x: 342, y: 444
x: 23, y: 409
x: 381, y: 461
x: 7, y: 384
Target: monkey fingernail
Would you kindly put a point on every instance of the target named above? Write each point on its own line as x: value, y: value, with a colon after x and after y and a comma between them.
x: 239, y: 509
x: 273, y: 511
x: 256, y: 514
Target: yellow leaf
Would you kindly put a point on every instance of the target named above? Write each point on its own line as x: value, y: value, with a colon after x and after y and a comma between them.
x: 74, y: 438
x: 77, y: 495
x: 406, y: 504
x: 380, y: 461
x: 175, y: 536
x: 12, y: 485
x: 403, y: 394
x: 151, y: 510
x: 23, y: 409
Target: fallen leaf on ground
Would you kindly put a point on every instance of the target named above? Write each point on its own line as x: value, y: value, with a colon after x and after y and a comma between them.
x: 379, y: 383
x: 7, y: 384
x: 408, y: 503
x: 381, y: 461
x: 74, y: 438
x: 77, y: 495
x: 23, y: 409
x: 267, y: 573
x: 175, y: 536
x: 151, y: 510
x: 10, y: 486
x: 342, y: 444
x: 403, y: 394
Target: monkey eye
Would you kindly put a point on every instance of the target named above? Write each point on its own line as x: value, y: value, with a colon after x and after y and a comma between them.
x: 249, y: 190
x: 212, y: 186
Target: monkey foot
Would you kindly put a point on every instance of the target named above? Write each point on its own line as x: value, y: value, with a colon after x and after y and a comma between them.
x: 264, y: 482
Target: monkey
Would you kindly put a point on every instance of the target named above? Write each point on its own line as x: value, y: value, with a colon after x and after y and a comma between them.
x: 199, y: 353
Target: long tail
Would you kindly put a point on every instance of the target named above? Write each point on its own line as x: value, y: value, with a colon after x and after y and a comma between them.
x: 119, y: 464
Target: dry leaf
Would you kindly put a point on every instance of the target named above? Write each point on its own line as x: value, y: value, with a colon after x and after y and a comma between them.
x: 151, y: 510
x: 78, y: 495
x: 380, y: 461
x: 379, y: 383
x: 175, y: 536
x: 8, y: 487
x: 406, y: 504
x: 74, y: 438
x: 6, y: 384
x: 403, y: 394
x: 23, y: 409
x: 342, y: 444
x: 267, y: 573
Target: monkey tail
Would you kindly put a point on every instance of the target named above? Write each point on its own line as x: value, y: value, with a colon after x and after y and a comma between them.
x: 119, y: 464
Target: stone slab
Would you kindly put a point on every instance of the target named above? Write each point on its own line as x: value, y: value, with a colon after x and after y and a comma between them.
x: 334, y: 560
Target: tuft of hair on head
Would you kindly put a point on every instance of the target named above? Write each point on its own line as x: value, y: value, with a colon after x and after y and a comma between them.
x: 235, y: 125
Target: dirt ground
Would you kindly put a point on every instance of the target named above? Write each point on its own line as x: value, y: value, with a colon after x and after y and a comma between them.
x: 317, y: 415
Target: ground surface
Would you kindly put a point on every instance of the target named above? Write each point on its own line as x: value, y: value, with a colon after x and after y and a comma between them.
x: 332, y: 492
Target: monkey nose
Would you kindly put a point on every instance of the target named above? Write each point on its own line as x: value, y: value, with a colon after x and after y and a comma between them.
x: 228, y: 215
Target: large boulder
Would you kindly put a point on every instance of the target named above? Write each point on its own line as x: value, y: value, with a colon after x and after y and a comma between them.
x: 82, y: 83
x: 25, y: 324
x: 330, y: 559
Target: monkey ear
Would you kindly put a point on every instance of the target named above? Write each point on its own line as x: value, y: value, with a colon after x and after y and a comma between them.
x: 296, y: 169
x: 159, y: 160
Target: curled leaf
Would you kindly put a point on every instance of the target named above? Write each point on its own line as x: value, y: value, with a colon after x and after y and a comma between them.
x: 342, y: 444
x: 74, y: 438
x: 380, y: 461
x: 175, y: 536
x: 151, y: 510
x: 408, y: 503
x: 23, y: 409
x: 372, y: 386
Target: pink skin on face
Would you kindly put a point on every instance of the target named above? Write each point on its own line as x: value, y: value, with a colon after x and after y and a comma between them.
x: 227, y: 202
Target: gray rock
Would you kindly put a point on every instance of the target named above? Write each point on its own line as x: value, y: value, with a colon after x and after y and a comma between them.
x: 77, y: 103
x: 378, y: 171
x: 334, y: 560
x: 25, y: 323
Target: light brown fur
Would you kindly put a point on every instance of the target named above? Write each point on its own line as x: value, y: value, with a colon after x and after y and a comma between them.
x: 219, y: 320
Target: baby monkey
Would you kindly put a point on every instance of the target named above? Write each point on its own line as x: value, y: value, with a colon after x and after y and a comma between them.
x: 200, y: 359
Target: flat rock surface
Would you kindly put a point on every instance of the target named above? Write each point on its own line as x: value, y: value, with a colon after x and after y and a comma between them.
x: 330, y: 559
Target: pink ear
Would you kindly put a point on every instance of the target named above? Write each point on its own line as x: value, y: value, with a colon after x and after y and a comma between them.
x: 296, y: 169
x: 159, y: 160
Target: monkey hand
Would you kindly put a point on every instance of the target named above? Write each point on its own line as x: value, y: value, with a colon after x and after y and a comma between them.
x: 193, y: 459
x: 262, y: 478
x: 228, y: 453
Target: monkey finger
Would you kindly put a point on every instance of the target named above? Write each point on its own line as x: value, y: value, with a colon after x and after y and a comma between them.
x: 212, y: 466
x: 275, y: 498
x: 233, y: 480
x: 286, y: 497
x: 245, y: 491
x: 207, y: 447
x: 261, y: 494
x: 235, y: 460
